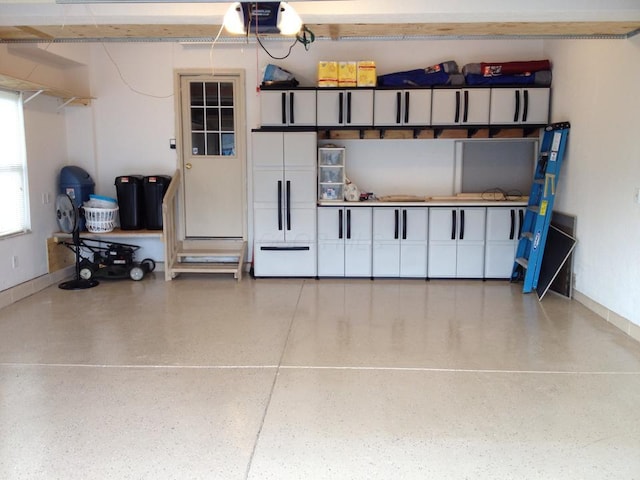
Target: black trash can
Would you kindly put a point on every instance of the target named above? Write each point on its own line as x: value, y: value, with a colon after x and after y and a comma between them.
x: 155, y: 187
x: 131, y: 202
x: 78, y: 185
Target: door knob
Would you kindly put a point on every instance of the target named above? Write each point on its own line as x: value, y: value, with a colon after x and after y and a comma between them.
x: 188, y: 166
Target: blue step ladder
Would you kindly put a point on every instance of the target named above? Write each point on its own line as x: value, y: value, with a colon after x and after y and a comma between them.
x: 537, y: 218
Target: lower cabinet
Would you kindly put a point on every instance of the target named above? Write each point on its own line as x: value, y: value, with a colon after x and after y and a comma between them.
x: 399, y: 242
x: 456, y: 242
x: 504, y: 226
x: 344, y: 241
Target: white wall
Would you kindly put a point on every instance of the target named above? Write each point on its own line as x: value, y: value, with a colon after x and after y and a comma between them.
x: 125, y: 131
x: 595, y: 86
x: 46, y: 154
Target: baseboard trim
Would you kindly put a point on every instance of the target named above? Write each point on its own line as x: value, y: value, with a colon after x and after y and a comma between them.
x: 18, y: 292
x: 618, y: 321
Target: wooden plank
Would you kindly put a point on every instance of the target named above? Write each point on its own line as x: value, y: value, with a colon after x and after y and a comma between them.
x: 58, y: 256
x: 333, y: 31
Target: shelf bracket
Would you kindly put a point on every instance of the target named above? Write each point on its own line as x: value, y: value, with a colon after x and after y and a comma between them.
x: 32, y: 96
x: 471, y: 132
x: 66, y: 103
x: 528, y: 131
x: 416, y: 133
x: 382, y: 132
x: 493, y: 132
x: 361, y: 134
x: 437, y: 132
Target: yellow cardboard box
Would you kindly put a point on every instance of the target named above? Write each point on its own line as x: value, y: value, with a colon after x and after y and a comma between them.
x: 347, y: 74
x: 327, y: 74
x: 367, y: 74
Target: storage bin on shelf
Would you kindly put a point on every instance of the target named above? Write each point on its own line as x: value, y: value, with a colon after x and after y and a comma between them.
x: 100, y: 220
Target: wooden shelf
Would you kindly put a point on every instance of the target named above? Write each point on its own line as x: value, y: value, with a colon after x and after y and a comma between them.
x: 69, y: 98
x: 116, y: 233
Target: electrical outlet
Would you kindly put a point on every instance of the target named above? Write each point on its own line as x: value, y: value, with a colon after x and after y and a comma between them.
x: 573, y: 280
x: 638, y: 195
x: 14, y: 261
x: 46, y: 198
x: 172, y: 143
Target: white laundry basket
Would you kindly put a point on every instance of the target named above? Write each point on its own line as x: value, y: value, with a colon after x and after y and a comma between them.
x: 100, y: 220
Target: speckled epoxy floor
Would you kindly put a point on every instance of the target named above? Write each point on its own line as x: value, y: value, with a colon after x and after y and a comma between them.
x: 207, y: 378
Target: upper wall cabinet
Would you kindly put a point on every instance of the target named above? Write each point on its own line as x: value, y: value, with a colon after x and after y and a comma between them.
x: 461, y: 106
x: 288, y: 108
x: 345, y: 108
x: 519, y: 106
x: 402, y: 108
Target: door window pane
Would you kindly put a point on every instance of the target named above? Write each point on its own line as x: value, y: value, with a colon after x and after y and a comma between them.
x: 212, y: 94
x: 213, y: 144
x: 226, y: 94
x: 228, y: 144
x: 212, y: 118
x: 197, y: 99
x: 197, y: 144
x: 227, y: 119
x: 197, y: 119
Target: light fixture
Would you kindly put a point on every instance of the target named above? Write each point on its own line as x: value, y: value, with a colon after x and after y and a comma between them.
x: 234, y: 19
x: 262, y: 17
x: 289, y: 22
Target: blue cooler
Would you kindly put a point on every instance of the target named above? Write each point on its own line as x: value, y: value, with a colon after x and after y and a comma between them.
x: 77, y: 183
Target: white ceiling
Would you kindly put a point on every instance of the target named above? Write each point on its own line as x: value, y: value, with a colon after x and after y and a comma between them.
x: 336, y: 19
x: 48, y: 12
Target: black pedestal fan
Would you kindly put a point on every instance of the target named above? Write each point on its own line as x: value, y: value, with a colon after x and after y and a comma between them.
x: 68, y: 216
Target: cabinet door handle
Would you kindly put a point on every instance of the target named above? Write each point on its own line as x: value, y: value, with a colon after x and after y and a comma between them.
x: 453, y: 224
x: 340, y: 107
x: 396, y: 232
x: 513, y: 224
x: 291, y: 103
x: 525, y: 110
x: 398, y: 101
x: 288, y: 205
x: 284, y: 108
x: 466, y: 106
x: 349, y: 107
x: 457, y: 119
x: 279, y: 204
x: 461, y: 224
x: 404, y: 224
x: 517, y: 112
x: 407, y: 95
x: 340, y: 224
x: 521, y: 220
x: 348, y: 223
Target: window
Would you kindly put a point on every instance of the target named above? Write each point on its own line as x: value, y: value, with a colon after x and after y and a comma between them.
x: 212, y: 118
x: 14, y: 211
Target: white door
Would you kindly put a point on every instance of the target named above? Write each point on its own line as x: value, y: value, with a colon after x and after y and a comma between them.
x: 213, y: 155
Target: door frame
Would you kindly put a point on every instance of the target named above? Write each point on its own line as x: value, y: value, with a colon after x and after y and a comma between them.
x: 241, y: 135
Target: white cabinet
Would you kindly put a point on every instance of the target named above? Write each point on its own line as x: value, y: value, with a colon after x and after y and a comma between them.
x: 345, y: 108
x: 504, y: 226
x: 518, y: 106
x: 284, y: 203
x: 456, y: 242
x: 402, y: 107
x: 344, y: 241
x: 400, y: 242
x: 288, y: 108
x: 468, y: 106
